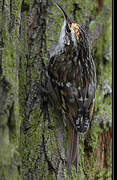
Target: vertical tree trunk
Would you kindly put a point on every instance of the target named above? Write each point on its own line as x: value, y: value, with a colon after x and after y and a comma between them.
x: 10, y: 162
x: 32, y: 133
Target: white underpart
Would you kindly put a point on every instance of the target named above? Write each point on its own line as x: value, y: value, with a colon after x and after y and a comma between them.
x: 62, y: 35
x: 61, y: 42
x: 60, y: 45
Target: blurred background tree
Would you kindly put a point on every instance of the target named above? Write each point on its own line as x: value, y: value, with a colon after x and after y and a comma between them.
x: 30, y: 138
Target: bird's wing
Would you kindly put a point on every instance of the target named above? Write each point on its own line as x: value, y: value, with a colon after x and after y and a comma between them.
x: 74, y: 86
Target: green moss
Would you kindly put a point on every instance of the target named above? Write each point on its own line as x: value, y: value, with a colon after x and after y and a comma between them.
x: 9, y: 156
x: 104, y: 174
x: 38, y: 128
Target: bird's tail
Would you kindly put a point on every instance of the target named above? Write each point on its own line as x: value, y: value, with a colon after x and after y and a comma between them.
x: 72, y: 149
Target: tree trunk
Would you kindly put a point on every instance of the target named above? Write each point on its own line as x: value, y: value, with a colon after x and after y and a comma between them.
x: 33, y: 134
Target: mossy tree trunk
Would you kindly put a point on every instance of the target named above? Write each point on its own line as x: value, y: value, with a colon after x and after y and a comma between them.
x: 32, y: 134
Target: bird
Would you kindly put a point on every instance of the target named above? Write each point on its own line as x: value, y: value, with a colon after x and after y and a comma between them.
x: 72, y: 74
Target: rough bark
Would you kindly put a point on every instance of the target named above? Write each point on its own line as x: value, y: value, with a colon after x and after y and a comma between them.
x: 32, y: 133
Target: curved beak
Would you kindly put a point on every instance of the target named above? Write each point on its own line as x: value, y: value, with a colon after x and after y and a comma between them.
x: 64, y: 13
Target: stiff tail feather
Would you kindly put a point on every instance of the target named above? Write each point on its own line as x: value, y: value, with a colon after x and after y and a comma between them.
x: 72, y: 148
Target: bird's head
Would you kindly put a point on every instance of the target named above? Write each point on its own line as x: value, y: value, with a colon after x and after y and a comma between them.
x: 69, y: 31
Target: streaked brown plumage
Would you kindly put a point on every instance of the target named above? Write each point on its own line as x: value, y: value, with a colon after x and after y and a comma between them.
x: 73, y: 78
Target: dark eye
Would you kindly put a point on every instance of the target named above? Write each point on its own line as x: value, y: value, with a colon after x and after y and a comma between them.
x: 68, y: 29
